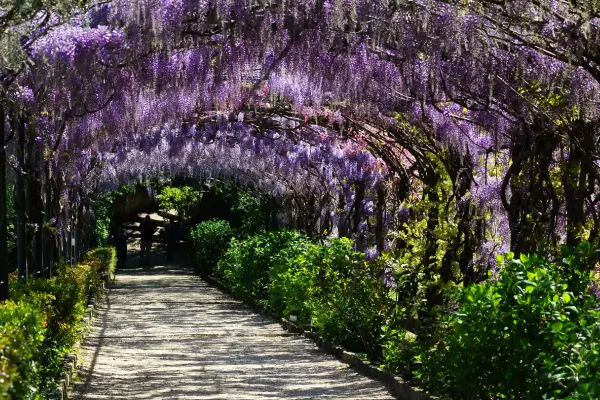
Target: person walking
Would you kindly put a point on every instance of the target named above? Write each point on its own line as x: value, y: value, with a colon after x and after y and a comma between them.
x: 121, y: 245
x: 147, y: 228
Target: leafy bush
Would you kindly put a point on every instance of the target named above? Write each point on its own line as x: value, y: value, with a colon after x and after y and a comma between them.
x: 293, y: 279
x: 245, y: 266
x: 399, y: 348
x: 327, y: 285
x: 247, y: 213
x: 181, y: 199
x: 103, y: 260
x: 209, y: 241
x: 22, y: 331
x: 49, y: 312
x: 353, y: 302
x: 534, y: 333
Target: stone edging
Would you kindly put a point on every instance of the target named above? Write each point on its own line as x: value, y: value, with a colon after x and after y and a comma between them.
x: 396, y: 385
x: 71, y: 361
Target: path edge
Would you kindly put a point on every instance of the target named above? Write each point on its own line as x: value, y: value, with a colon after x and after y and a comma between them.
x: 395, y: 384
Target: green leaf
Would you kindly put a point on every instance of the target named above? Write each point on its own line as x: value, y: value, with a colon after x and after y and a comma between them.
x: 566, y: 297
x: 557, y: 326
x: 573, y: 309
x: 529, y: 289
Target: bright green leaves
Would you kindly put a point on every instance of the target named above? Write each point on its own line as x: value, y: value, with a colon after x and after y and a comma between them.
x: 181, y: 199
x: 533, y: 333
x: 40, y: 324
x: 22, y: 331
x: 209, y: 242
x: 557, y: 326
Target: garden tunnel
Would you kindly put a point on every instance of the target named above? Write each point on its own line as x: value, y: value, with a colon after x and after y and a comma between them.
x: 445, y: 133
x: 365, y: 115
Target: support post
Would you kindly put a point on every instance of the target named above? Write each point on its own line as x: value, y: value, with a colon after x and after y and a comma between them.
x: 3, y: 221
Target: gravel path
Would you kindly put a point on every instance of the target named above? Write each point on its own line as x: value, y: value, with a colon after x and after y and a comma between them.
x: 162, y: 333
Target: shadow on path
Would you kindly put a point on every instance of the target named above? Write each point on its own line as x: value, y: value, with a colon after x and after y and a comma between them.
x: 162, y: 333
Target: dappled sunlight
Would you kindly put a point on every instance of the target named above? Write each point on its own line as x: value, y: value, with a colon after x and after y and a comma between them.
x: 162, y: 333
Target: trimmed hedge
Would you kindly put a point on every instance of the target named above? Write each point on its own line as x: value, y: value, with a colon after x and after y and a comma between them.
x: 41, y: 322
x: 530, y: 332
x: 329, y: 286
x: 209, y: 241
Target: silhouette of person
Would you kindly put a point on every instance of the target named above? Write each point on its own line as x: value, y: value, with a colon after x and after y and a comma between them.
x: 147, y: 228
x: 121, y: 245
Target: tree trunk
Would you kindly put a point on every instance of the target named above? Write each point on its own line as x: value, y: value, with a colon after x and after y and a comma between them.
x: 3, y: 221
x: 21, y: 200
x: 40, y: 219
x: 379, y: 227
x: 358, y: 203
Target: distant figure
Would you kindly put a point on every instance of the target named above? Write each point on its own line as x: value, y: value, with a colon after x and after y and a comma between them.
x: 147, y: 229
x: 121, y: 245
x: 171, y: 240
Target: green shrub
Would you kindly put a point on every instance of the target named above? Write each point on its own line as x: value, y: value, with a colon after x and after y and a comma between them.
x: 247, y: 213
x: 293, y: 280
x: 245, y: 266
x: 534, y: 333
x: 61, y: 301
x: 327, y: 285
x: 399, y: 348
x: 32, y: 369
x: 353, y: 302
x: 181, y: 199
x: 22, y: 331
x: 103, y: 260
x: 209, y: 241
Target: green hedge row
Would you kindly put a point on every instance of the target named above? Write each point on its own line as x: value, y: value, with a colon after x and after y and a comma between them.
x: 41, y: 322
x: 532, y: 331
x: 328, y: 286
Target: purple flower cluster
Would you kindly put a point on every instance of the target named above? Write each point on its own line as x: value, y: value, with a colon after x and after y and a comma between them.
x: 314, y: 98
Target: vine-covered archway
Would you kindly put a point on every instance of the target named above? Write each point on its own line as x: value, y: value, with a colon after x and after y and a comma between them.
x: 451, y: 131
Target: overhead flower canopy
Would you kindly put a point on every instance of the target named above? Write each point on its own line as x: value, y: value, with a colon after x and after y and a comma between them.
x: 342, y: 100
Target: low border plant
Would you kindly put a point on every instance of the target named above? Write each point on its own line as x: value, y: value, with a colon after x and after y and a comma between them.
x: 42, y: 321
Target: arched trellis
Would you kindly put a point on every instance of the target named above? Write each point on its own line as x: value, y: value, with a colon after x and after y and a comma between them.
x: 423, y: 85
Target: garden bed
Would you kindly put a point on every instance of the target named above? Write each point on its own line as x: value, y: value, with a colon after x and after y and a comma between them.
x: 41, y: 324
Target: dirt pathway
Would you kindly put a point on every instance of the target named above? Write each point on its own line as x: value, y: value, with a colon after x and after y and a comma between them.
x: 162, y: 333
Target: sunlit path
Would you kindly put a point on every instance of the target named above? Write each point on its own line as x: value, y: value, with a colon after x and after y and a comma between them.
x: 162, y: 333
